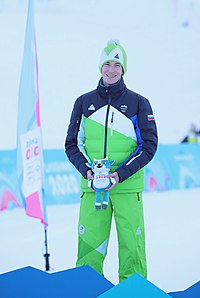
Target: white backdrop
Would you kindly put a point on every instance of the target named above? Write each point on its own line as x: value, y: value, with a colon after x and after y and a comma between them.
x: 163, y: 59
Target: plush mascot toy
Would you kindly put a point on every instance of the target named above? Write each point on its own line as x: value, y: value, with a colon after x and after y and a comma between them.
x: 101, y: 168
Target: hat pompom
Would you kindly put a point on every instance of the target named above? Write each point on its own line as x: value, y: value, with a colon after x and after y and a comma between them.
x: 113, y: 41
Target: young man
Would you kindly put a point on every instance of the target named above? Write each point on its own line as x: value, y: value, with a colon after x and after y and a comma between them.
x: 115, y: 122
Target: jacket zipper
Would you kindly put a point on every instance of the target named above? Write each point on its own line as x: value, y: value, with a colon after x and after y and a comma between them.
x: 111, y: 128
x: 106, y: 126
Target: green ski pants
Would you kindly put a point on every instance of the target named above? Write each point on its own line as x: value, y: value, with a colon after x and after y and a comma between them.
x: 94, y: 231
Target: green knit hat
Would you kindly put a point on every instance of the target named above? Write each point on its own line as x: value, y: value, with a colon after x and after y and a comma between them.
x: 113, y: 52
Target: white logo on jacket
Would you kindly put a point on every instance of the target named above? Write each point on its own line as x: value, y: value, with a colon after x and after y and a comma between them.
x: 81, y: 229
x: 123, y: 108
x: 91, y: 108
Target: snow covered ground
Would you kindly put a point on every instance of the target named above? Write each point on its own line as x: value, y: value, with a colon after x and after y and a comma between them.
x: 172, y: 236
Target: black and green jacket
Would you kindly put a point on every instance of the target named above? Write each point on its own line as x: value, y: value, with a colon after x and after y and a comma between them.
x: 114, y: 122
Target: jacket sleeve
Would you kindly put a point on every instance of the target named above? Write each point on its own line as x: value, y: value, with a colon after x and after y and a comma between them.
x: 72, y: 149
x: 147, y: 139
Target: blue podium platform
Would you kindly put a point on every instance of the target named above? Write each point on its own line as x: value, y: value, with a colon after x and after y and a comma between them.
x: 81, y: 282
x: 32, y: 283
x: 135, y: 287
x: 191, y: 292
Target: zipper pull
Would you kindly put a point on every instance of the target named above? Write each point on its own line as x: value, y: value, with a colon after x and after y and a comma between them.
x: 111, y: 127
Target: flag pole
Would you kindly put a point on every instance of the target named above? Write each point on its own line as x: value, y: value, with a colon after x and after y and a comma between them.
x: 46, y: 255
x: 30, y: 162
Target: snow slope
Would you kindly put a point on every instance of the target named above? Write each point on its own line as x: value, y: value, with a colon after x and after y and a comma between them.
x: 172, y: 238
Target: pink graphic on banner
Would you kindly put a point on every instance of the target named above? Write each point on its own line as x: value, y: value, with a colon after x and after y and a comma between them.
x: 37, y: 110
x: 153, y: 183
x: 8, y: 198
x: 33, y: 206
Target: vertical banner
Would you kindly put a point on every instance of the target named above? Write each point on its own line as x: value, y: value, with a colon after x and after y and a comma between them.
x: 30, y: 168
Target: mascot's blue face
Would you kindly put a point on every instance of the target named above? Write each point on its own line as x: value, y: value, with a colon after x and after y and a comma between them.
x: 100, y: 164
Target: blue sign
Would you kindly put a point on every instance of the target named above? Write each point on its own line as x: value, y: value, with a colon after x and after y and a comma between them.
x: 173, y: 167
x: 62, y: 180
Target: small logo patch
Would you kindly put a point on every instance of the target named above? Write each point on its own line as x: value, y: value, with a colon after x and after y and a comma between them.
x: 123, y: 108
x: 150, y: 117
x: 116, y: 56
x: 91, y: 108
x: 81, y: 229
x: 138, y: 232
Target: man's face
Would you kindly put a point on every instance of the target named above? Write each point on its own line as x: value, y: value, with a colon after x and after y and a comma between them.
x: 111, y: 73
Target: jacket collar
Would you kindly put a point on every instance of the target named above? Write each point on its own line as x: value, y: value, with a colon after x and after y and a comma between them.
x: 114, y: 90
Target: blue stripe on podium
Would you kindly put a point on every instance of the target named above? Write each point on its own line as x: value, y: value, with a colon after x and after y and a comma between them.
x: 32, y: 283
x: 191, y: 292
x: 80, y: 282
